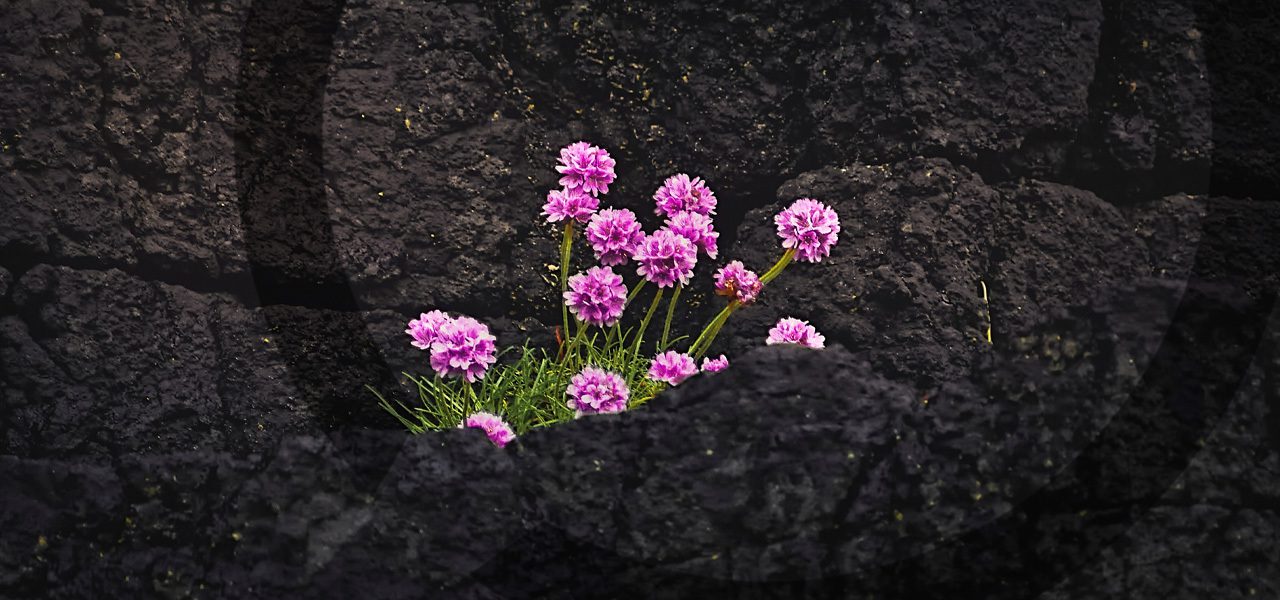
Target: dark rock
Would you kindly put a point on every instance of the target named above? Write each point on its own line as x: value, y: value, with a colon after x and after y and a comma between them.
x: 220, y: 217
x: 1237, y: 38
x: 1150, y: 105
x: 127, y: 158
x: 1001, y: 89
x: 913, y: 251
x: 102, y: 363
x: 1054, y: 246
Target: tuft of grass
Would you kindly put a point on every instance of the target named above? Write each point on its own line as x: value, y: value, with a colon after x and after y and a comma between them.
x: 529, y: 390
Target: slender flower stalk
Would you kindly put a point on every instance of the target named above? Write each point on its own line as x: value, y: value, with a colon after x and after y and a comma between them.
x: 635, y: 291
x: 644, y: 323
x: 573, y: 343
x: 671, y: 311
x: 708, y: 334
x: 777, y: 267
x: 566, y: 247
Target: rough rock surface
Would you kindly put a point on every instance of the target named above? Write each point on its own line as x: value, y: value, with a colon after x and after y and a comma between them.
x: 217, y: 217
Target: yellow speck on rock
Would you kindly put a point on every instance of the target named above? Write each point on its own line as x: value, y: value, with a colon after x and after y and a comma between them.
x: 42, y: 543
x: 898, y: 516
x: 406, y: 123
x: 117, y: 56
x: 266, y: 340
x: 235, y: 535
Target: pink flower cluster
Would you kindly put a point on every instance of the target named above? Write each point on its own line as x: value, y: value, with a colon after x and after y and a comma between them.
x: 596, y: 297
x: 697, y: 228
x: 736, y: 281
x: 666, y: 258
x: 680, y: 194
x: 794, y: 331
x: 715, y: 365
x: 569, y: 204
x: 585, y: 172
x: 426, y: 328
x: 460, y: 346
x: 586, y: 168
x: 614, y: 234
x: 493, y: 426
x: 596, y: 391
x: 672, y: 367
x: 810, y: 227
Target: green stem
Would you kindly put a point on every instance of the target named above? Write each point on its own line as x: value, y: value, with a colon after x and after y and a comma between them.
x: 777, y: 267
x: 573, y: 343
x: 469, y: 406
x: 708, y: 334
x: 566, y: 246
x: 635, y: 291
x: 671, y: 309
x: 644, y: 324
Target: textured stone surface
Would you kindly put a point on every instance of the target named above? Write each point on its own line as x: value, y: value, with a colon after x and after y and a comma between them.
x: 216, y: 219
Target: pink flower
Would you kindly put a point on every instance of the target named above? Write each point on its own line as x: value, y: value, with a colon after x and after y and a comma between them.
x: 697, y: 228
x: 614, y: 234
x: 463, y: 346
x: 585, y: 167
x: 736, y: 281
x: 795, y: 331
x: 672, y: 367
x: 715, y: 365
x: 596, y: 297
x: 569, y: 204
x: 596, y: 391
x: 666, y: 258
x: 426, y: 327
x: 680, y: 194
x: 498, y: 431
x: 810, y: 227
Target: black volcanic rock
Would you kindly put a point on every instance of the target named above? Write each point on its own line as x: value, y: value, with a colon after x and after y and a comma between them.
x: 913, y: 250
x: 216, y: 218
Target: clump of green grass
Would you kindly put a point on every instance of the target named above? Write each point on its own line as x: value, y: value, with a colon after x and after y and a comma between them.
x: 527, y: 386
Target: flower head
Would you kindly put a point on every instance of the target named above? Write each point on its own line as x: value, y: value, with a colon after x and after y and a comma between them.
x: 498, y: 431
x: 810, y: 227
x: 585, y: 167
x: 736, y: 281
x: 569, y: 203
x: 679, y: 194
x: 795, y: 331
x: 666, y: 258
x: 672, y: 367
x: 596, y: 297
x: 715, y: 365
x: 463, y: 346
x: 614, y: 234
x: 697, y: 228
x: 426, y: 328
x: 596, y: 391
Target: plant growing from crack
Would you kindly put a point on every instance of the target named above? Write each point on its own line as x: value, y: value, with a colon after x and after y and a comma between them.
x: 603, y: 367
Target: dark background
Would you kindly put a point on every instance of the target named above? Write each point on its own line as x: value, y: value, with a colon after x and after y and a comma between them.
x: 218, y: 216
